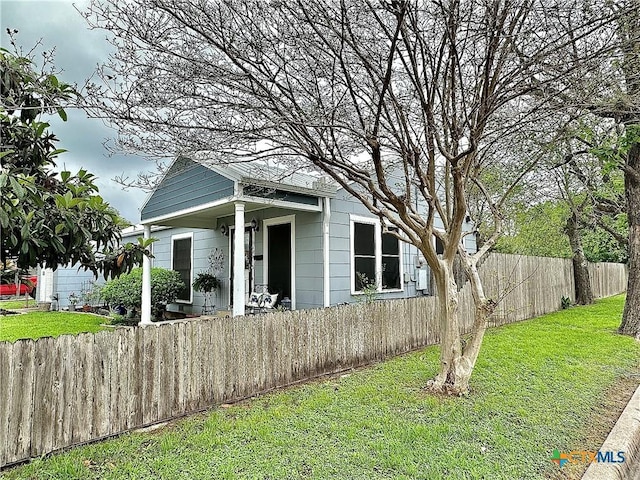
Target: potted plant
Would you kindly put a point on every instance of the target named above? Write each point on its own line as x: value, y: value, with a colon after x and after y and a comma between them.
x: 90, y: 297
x: 73, y: 300
x: 206, y: 283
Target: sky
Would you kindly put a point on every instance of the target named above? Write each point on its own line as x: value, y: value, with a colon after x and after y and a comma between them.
x: 78, y: 51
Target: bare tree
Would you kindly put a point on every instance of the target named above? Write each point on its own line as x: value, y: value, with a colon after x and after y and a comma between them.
x: 362, y: 91
x: 577, y: 197
x: 593, y: 188
x: 611, y: 90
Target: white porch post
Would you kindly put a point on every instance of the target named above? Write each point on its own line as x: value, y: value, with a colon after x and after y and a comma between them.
x: 326, y: 280
x: 145, y: 314
x: 238, y: 261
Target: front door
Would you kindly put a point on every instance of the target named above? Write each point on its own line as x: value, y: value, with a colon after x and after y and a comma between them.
x: 248, y: 262
x: 279, y: 260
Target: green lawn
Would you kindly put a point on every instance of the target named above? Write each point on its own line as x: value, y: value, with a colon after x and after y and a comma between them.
x: 537, y: 387
x: 47, y: 324
x: 19, y: 303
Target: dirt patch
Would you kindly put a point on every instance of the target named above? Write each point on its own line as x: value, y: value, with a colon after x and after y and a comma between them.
x: 600, y: 423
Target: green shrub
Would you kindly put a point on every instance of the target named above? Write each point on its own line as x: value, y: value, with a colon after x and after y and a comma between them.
x: 117, y: 319
x: 126, y: 290
x: 368, y: 288
x: 565, y: 302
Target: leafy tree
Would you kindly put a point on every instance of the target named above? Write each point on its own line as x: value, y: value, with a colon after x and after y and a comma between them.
x: 537, y: 230
x: 573, y: 193
x: 598, y: 225
x: 401, y: 103
x: 600, y: 246
x: 610, y: 89
x: 594, y: 194
x: 540, y: 230
x: 50, y: 218
x: 126, y: 290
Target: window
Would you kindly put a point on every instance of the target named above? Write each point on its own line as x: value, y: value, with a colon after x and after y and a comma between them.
x: 364, y: 254
x: 390, y: 261
x: 376, y: 256
x: 181, y: 254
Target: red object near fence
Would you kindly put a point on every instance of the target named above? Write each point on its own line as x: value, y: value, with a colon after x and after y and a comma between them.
x: 9, y: 289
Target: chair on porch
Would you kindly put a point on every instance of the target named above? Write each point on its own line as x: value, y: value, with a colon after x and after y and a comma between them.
x: 261, y: 302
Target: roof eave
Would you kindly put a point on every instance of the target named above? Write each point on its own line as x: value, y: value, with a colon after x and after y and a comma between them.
x: 314, y: 192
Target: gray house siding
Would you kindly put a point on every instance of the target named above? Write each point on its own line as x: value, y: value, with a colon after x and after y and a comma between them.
x: 308, y: 252
x: 187, y: 184
x: 342, y: 207
x: 309, y: 265
x: 196, y: 185
x: 308, y: 255
x: 340, y: 250
x: 69, y: 279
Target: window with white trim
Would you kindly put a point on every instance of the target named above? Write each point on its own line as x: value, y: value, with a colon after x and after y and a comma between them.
x: 181, y: 262
x: 376, y: 257
x: 364, y: 254
x: 390, y: 262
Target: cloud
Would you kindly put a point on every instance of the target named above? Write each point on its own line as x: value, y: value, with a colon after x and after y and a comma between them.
x: 78, y: 50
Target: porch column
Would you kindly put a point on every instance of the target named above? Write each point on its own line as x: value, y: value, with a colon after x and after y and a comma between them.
x: 326, y: 279
x: 145, y: 314
x: 238, y: 261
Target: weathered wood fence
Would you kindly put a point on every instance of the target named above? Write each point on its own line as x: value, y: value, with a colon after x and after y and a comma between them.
x: 58, y: 392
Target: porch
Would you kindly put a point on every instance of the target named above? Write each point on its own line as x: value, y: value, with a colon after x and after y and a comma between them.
x: 249, y: 202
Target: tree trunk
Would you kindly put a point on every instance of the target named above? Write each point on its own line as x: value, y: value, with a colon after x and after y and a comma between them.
x: 457, y: 358
x: 584, y: 292
x: 630, y: 28
x: 631, y: 317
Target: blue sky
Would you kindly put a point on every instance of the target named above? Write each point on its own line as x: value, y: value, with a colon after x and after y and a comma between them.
x: 78, y: 51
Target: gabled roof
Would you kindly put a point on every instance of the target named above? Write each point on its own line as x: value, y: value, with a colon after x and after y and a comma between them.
x: 202, y: 190
x: 261, y: 174
x: 252, y: 173
x: 182, y: 167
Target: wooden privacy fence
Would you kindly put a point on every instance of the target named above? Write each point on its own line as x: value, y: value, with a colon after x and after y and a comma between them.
x: 58, y: 392
x: 607, y: 278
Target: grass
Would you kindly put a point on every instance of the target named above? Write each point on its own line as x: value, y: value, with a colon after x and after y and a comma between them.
x: 537, y: 387
x: 47, y: 324
x: 17, y: 303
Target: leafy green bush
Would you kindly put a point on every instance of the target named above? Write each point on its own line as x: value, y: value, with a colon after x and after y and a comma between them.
x: 368, y: 288
x: 117, y: 319
x: 127, y: 289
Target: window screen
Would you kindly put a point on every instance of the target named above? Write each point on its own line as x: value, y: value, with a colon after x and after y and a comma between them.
x: 364, y: 253
x: 390, y: 261
x: 182, y: 265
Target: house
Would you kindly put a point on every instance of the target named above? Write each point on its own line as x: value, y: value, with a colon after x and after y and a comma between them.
x: 304, y: 238
x: 64, y: 284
